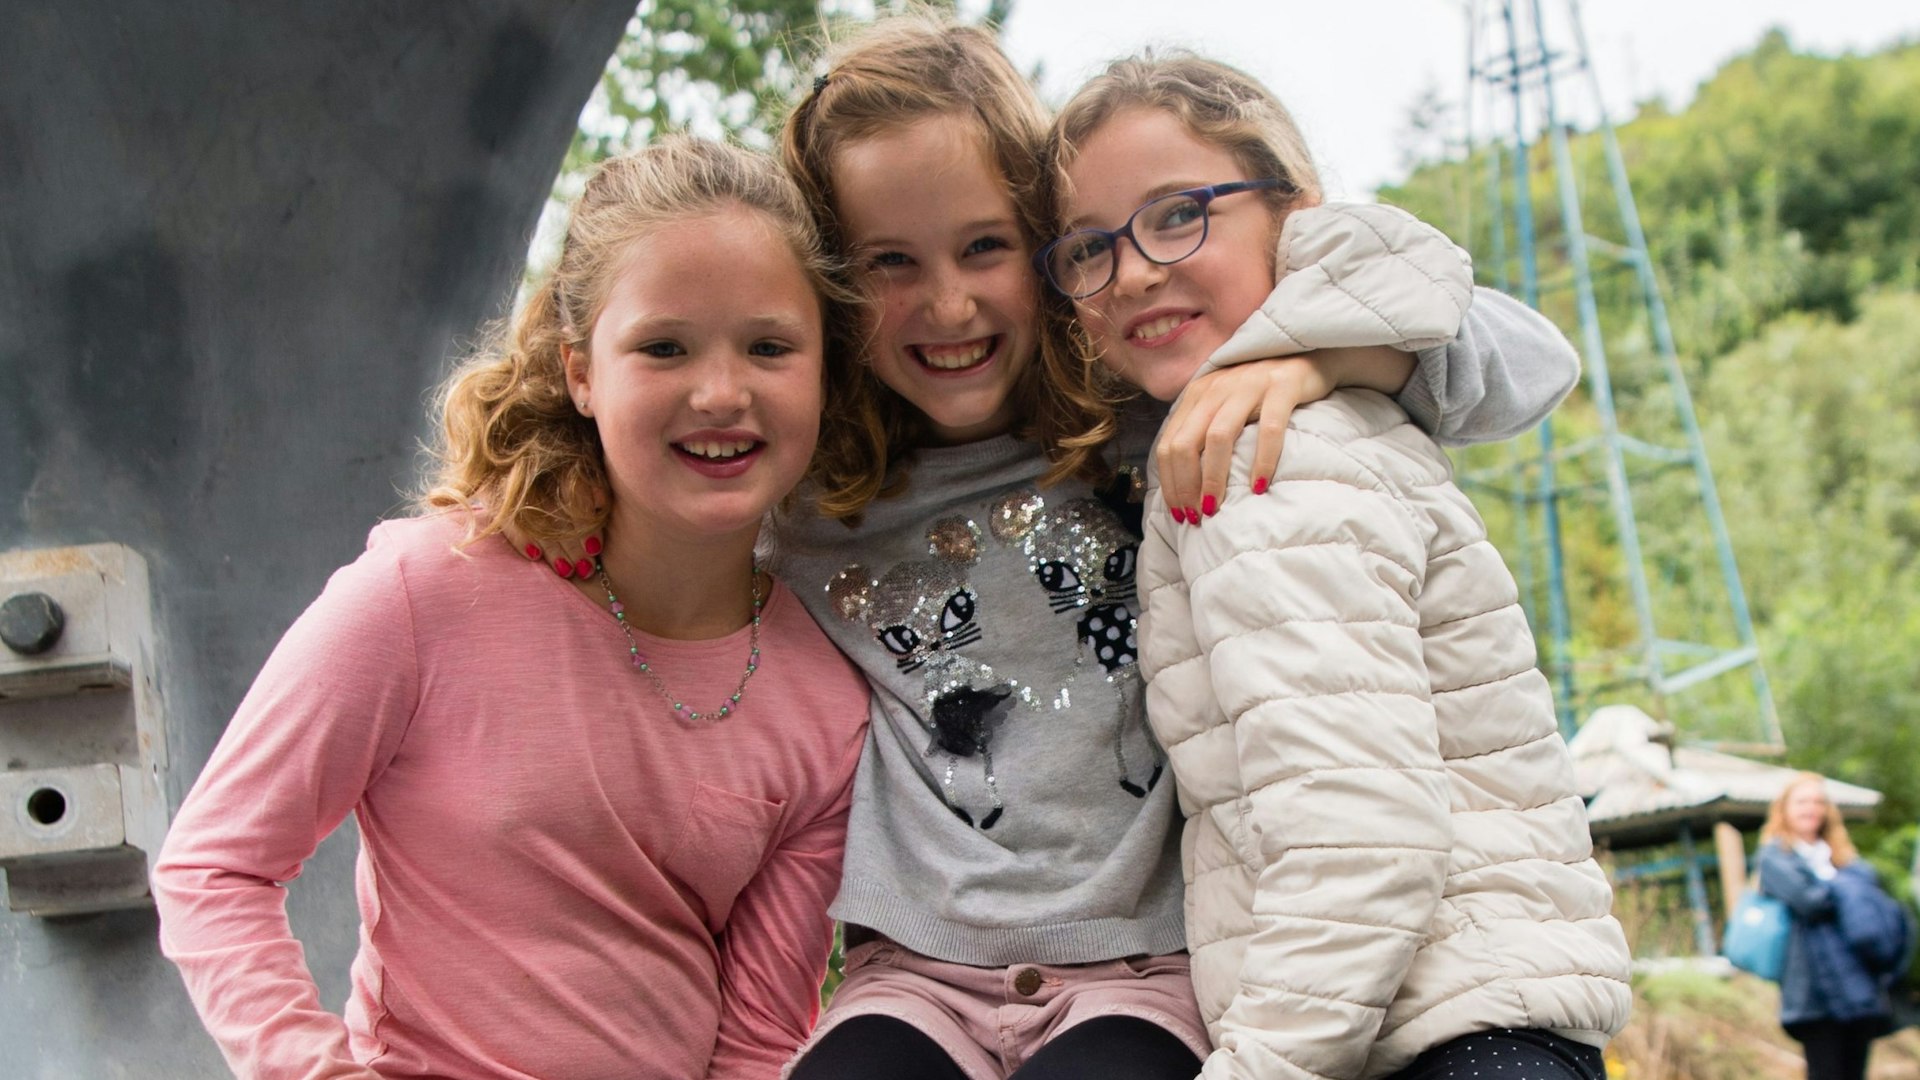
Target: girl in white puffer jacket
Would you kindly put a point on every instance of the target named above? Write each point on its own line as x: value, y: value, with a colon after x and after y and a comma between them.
x: 1388, y: 868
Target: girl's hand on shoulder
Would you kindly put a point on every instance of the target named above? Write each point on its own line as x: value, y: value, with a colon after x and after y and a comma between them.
x: 1195, y: 449
x: 569, y: 560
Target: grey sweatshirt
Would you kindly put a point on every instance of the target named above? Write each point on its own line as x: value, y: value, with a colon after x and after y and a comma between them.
x: 1011, y: 805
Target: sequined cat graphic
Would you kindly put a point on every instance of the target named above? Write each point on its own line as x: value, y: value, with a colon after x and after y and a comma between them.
x: 923, y: 612
x: 1085, y: 560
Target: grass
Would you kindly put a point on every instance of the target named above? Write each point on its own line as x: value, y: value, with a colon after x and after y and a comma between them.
x: 1694, y: 1024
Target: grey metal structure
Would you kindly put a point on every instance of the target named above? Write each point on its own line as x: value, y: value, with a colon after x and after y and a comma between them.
x: 1648, y: 447
x: 238, y: 241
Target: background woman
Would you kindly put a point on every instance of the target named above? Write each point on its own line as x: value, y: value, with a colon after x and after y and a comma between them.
x: 1831, y: 999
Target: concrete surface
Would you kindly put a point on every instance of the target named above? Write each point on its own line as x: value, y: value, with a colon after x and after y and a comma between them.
x: 238, y: 242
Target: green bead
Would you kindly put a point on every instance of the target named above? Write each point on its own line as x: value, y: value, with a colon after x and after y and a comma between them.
x: 677, y: 707
x: 736, y: 697
x: 723, y: 710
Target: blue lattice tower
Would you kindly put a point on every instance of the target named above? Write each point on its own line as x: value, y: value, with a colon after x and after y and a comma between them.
x: 1665, y: 624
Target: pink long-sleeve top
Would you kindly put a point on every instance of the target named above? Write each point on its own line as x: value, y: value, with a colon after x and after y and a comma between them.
x: 557, y: 879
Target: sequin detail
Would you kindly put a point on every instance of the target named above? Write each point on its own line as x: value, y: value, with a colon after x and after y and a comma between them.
x: 923, y: 612
x: 1086, y: 562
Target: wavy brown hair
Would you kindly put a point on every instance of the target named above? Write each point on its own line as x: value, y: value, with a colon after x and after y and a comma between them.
x: 891, y: 74
x: 1219, y: 104
x: 1833, y: 830
x: 511, y: 440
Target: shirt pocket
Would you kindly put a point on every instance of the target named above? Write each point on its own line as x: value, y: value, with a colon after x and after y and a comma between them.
x: 721, y: 848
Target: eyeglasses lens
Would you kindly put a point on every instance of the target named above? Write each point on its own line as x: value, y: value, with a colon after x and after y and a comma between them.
x: 1165, y: 230
x: 1081, y: 264
x: 1170, y: 228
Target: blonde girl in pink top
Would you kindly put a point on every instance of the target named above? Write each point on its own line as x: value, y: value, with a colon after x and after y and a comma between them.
x: 600, y: 818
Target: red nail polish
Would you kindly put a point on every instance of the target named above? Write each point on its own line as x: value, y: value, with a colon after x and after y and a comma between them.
x: 1210, y: 505
x: 533, y: 552
x: 1259, y: 485
x: 1193, y: 516
x: 563, y: 568
x: 1179, y: 516
x: 593, y: 547
x: 583, y: 567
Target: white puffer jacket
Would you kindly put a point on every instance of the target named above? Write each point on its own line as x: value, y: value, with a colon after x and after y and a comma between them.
x: 1383, y: 847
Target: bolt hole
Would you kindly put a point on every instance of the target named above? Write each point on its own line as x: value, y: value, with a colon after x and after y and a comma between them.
x: 47, y: 806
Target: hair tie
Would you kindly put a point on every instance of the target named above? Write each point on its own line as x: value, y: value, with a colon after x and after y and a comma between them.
x: 819, y: 83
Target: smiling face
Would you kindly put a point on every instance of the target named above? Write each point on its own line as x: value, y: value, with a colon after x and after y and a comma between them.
x: 1805, y: 812
x: 933, y: 227
x: 1155, y: 325
x: 702, y: 374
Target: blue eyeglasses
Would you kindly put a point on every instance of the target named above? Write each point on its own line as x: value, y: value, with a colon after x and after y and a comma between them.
x: 1163, y: 231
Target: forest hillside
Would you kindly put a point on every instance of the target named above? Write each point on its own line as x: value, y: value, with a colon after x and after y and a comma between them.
x: 1782, y: 210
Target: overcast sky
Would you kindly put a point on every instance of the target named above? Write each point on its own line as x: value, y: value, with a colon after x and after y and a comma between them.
x: 1350, y: 69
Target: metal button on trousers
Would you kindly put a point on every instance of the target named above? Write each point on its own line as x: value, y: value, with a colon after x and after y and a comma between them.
x: 1026, y: 982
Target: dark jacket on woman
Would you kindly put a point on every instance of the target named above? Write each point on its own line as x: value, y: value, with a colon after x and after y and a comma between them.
x: 1823, y: 978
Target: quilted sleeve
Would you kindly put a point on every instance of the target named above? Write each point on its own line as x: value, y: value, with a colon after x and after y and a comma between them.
x: 1303, y: 607
x: 1356, y: 274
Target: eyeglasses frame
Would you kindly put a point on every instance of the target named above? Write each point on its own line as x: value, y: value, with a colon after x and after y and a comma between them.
x: 1042, y: 259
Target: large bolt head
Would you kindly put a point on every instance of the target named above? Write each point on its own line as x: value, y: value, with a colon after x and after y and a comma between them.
x: 30, y: 623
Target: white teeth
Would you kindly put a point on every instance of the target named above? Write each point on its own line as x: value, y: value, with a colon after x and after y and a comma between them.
x: 717, y: 451
x: 1159, y: 326
x: 954, y: 358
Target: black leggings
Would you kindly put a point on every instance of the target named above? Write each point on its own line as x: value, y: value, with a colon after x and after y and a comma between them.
x: 1837, y: 1049
x: 1105, y: 1048
x: 1124, y: 1048
x: 1507, y: 1054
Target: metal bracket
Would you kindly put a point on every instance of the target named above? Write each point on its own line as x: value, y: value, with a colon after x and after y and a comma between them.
x: 83, y: 749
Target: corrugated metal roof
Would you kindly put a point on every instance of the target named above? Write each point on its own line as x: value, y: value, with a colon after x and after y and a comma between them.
x: 1633, y: 781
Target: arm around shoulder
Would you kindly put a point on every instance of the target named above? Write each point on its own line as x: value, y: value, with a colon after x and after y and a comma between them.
x: 1355, y: 275
x: 1505, y: 372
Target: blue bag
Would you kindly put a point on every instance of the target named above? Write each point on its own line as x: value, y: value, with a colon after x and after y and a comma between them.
x: 1757, y: 935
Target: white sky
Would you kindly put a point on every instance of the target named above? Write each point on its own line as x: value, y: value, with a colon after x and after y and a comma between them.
x: 1350, y: 69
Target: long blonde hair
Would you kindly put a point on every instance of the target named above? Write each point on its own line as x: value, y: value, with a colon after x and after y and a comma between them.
x: 898, y: 71
x: 1219, y: 104
x: 511, y: 440
x: 1833, y: 830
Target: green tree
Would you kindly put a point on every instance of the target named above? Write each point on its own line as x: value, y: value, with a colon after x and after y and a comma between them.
x: 710, y: 66
x: 717, y: 67
x: 724, y: 67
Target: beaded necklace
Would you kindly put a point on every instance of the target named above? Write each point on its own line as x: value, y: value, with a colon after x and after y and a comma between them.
x: 680, y: 712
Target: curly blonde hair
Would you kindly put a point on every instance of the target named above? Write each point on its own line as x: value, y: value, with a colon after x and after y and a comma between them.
x: 891, y: 74
x: 1219, y: 104
x: 1833, y: 830
x: 511, y: 441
